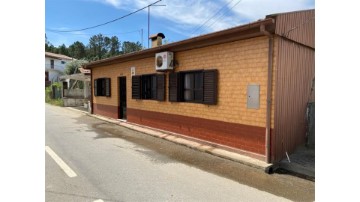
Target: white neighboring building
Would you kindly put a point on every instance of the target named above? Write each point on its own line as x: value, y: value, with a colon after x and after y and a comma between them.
x: 55, y: 66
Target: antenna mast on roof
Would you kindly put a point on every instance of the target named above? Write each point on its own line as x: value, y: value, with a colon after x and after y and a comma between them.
x: 153, y: 4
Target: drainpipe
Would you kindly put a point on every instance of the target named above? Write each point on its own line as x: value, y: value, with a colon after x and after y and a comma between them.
x: 269, y: 91
x: 91, y: 93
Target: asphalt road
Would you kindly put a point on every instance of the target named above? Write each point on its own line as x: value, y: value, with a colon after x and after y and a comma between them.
x: 113, y: 163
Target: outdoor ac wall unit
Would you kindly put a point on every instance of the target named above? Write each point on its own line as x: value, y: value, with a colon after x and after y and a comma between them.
x: 164, y: 61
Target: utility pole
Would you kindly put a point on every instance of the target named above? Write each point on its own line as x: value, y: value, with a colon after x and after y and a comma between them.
x: 142, y: 39
x: 148, y: 25
x: 149, y: 19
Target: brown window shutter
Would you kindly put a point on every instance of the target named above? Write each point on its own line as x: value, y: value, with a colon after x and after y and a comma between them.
x: 107, y: 87
x: 174, y: 94
x: 210, y: 86
x: 136, y: 87
x: 103, y: 87
x: 160, y: 87
x: 95, y: 87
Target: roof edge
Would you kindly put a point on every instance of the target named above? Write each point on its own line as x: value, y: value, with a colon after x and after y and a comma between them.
x: 198, y: 39
x: 57, y: 56
x: 284, y: 13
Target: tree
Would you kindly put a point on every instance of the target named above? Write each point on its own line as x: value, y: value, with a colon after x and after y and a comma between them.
x: 49, y: 47
x: 63, y: 50
x: 47, y: 43
x: 77, y: 50
x: 114, y: 46
x: 128, y: 47
x: 72, y: 67
x: 97, y: 47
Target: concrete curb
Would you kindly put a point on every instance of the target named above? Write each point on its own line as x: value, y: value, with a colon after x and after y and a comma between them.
x: 252, y: 162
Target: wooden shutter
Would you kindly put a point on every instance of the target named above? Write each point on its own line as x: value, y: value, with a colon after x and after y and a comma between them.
x: 174, y: 93
x: 136, y: 87
x: 95, y: 87
x: 210, y: 86
x: 160, y: 87
x: 107, y: 87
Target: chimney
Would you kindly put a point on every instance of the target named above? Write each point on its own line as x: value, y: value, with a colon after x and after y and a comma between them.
x: 156, y: 39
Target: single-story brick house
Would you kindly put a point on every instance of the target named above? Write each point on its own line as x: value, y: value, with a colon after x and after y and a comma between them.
x: 245, y: 88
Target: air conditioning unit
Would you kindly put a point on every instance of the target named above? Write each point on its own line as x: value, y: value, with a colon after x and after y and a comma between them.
x: 164, y: 61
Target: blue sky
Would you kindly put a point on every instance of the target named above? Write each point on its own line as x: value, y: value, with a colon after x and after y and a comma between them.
x: 178, y: 20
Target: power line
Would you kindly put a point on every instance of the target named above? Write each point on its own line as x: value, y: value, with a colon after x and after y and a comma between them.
x: 211, y: 17
x: 107, y: 34
x: 111, y: 21
x: 225, y: 13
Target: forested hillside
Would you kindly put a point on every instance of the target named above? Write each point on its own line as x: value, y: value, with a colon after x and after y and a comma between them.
x: 98, y: 47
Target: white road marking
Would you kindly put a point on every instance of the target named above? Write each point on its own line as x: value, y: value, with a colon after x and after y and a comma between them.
x: 99, y: 200
x: 60, y: 162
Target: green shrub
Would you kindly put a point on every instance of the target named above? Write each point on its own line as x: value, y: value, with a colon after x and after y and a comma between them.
x: 48, y: 95
x: 57, y: 102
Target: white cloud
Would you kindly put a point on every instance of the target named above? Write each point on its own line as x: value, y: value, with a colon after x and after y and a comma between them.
x: 116, y: 3
x: 192, y: 14
x: 258, y: 9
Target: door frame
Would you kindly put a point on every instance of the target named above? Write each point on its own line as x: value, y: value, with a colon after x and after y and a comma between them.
x: 122, y: 101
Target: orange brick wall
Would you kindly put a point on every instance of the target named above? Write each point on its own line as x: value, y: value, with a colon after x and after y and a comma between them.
x: 239, y: 63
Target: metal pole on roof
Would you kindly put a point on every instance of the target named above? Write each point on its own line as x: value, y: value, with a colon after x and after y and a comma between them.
x: 149, y: 21
x: 142, y: 39
x: 148, y: 25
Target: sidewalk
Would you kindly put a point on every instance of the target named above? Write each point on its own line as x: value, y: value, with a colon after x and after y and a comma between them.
x: 300, y: 163
x: 302, y: 167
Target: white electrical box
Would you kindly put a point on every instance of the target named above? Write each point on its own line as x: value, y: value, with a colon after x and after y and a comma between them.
x: 164, y: 61
x: 253, y: 96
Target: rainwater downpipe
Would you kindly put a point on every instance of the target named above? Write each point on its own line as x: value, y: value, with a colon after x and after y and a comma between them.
x: 269, y: 92
x: 91, y: 93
